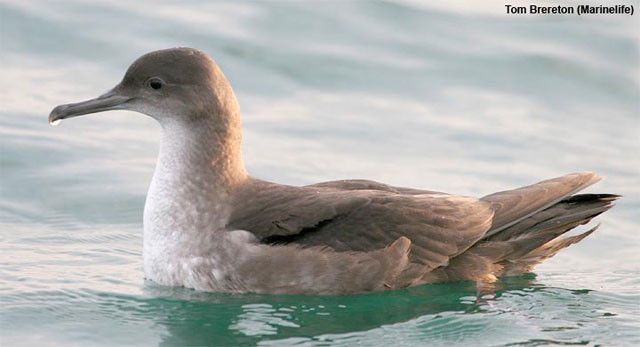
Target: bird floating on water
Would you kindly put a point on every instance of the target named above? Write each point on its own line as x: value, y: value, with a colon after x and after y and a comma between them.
x: 210, y: 226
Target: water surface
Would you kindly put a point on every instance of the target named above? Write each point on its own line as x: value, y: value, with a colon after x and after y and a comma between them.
x: 460, y: 99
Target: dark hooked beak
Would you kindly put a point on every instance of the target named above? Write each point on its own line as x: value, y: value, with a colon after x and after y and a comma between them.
x: 110, y: 100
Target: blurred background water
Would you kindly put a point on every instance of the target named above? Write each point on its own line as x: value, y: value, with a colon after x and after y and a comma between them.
x: 453, y: 97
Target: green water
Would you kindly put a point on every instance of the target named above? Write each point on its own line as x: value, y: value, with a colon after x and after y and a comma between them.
x: 463, y: 99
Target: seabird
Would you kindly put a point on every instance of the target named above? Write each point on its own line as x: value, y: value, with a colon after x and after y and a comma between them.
x: 210, y: 226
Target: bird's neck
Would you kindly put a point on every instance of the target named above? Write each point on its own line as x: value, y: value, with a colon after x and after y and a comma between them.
x: 198, y: 168
x: 204, y: 152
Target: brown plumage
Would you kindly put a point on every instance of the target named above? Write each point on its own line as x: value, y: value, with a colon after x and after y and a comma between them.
x: 209, y: 225
x: 453, y: 238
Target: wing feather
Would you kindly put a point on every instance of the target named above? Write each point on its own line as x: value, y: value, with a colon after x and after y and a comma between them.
x: 439, y: 226
x: 360, y: 215
x: 513, y: 206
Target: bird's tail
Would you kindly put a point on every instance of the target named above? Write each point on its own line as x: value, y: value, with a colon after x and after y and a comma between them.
x: 518, y: 248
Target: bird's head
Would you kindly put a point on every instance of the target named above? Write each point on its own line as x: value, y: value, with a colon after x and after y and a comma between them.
x: 180, y: 85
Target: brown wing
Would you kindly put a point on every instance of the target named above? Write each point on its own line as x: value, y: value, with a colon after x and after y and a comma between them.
x: 439, y: 226
x: 512, y: 206
x: 370, y: 185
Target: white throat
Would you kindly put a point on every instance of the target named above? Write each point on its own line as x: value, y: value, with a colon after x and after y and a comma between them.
x: 188, y: 199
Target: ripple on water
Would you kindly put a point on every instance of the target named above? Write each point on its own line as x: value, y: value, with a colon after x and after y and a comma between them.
x: 490, y: 102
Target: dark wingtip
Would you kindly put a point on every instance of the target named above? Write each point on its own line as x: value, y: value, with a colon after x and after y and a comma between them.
x: 582, y: 198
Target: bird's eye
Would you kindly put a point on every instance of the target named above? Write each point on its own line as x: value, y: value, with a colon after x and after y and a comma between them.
x: 155, y: 83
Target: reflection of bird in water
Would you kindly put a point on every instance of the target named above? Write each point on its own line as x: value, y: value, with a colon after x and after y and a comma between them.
x: 208, y: 225
x: 441, y: 311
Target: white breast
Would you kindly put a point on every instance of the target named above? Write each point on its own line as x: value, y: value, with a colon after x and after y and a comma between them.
x: 182, y: 214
